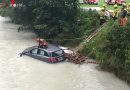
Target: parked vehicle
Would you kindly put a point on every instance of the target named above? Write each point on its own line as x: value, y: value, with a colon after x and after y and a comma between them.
x: 51, y: 54
x: 81, y: 1
x: 111, y: 2
x: 91, y: 2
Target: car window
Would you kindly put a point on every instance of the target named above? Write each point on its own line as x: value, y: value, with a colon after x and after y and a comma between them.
x: 43, y: 53
x: 34, y: 51
x: 57, y: 53
x: 39, y: 52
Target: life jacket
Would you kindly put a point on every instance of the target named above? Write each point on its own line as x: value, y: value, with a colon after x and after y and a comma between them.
x: 102, y: 14
x: 42, y: 42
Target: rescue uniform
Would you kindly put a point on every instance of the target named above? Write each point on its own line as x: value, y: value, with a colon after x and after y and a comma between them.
x: 123, y: 20
x: 42, y: 43
x: 116, y: 12
x: 102, y: 16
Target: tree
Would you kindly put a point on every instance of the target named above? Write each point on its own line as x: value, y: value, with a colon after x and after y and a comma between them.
x: 50, y: 17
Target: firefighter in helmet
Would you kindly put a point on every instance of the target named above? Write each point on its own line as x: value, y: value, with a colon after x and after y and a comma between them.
x: 124, y: 5
x: 116, y: 12
x: 102, y: 16
x: 123, y: 20
x: 104, y: 6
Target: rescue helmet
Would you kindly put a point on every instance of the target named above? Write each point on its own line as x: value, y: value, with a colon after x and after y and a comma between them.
x: 104, y: 5
x: 102, y: 9
x: 124, y: 4
x: 115, y: 6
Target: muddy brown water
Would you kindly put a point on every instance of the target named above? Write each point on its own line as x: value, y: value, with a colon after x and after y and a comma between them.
x: 25, y: 73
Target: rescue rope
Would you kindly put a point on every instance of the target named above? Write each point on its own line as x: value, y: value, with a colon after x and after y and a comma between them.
x: 87, y: 39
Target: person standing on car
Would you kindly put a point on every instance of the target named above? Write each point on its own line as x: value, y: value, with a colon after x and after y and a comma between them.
x: 42, y: 43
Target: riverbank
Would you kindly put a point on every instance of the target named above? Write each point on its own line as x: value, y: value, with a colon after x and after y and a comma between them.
x: 110, y: 48
x: 26, y: 73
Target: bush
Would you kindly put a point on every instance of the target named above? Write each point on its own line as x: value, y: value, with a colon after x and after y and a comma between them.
x: 56, y: 21
x: 111, y: 48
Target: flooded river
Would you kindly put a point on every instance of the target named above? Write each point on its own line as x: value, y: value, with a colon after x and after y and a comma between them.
x: 25, y: 73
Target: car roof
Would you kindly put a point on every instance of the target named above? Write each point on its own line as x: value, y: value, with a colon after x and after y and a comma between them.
x: 50, y: 48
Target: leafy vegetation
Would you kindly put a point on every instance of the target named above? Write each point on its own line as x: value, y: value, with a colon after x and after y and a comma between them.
x: 112, y: 49
x: 55, y: 19
x: 63, y: 19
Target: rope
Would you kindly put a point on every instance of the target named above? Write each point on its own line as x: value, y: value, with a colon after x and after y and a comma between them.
x: 87, y: 39
x: 95, y: 33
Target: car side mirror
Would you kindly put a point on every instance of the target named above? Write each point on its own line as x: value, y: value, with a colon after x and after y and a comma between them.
x: 30, y: 52
x: 21, y: 54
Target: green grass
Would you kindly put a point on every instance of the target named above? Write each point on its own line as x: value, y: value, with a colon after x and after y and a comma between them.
x: 96, y: 49
x: 101, y: 2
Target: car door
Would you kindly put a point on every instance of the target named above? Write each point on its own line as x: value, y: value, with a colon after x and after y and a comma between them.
x: 59, y: 54
x: 34, y: 53
x: 43, y: 55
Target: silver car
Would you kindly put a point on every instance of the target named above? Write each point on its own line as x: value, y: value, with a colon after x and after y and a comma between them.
x: 51, y: 54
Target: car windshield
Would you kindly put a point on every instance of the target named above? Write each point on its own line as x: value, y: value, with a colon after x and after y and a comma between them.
x: 57, y: 53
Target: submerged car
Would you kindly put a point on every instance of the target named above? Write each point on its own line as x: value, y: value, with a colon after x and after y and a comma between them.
x: 51, y: 54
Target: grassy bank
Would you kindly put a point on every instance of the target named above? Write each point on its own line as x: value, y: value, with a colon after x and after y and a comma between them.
x: 111, y: 49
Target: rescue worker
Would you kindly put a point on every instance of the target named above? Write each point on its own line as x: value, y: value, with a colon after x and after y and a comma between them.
x: 42, y: 43
x: 116, y: 12
x: 123, y: 20
x: 128, y: 9
x: 104, y: 6
x: 102, y: 16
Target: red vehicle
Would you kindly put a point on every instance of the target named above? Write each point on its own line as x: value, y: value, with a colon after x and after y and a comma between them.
x: 92, y: 1
x: 111, y: 2
x: 42, y: 42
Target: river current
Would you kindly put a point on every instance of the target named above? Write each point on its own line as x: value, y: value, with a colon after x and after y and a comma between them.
x: 25, y: 73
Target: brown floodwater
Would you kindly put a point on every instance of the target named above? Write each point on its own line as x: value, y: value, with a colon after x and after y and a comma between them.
x: 25, y: 73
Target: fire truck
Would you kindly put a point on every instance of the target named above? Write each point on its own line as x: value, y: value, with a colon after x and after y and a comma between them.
x: 91, y: 2
x: 111, y: 2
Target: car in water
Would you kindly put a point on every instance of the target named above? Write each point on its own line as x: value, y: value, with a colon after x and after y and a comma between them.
x: 51, y: 54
